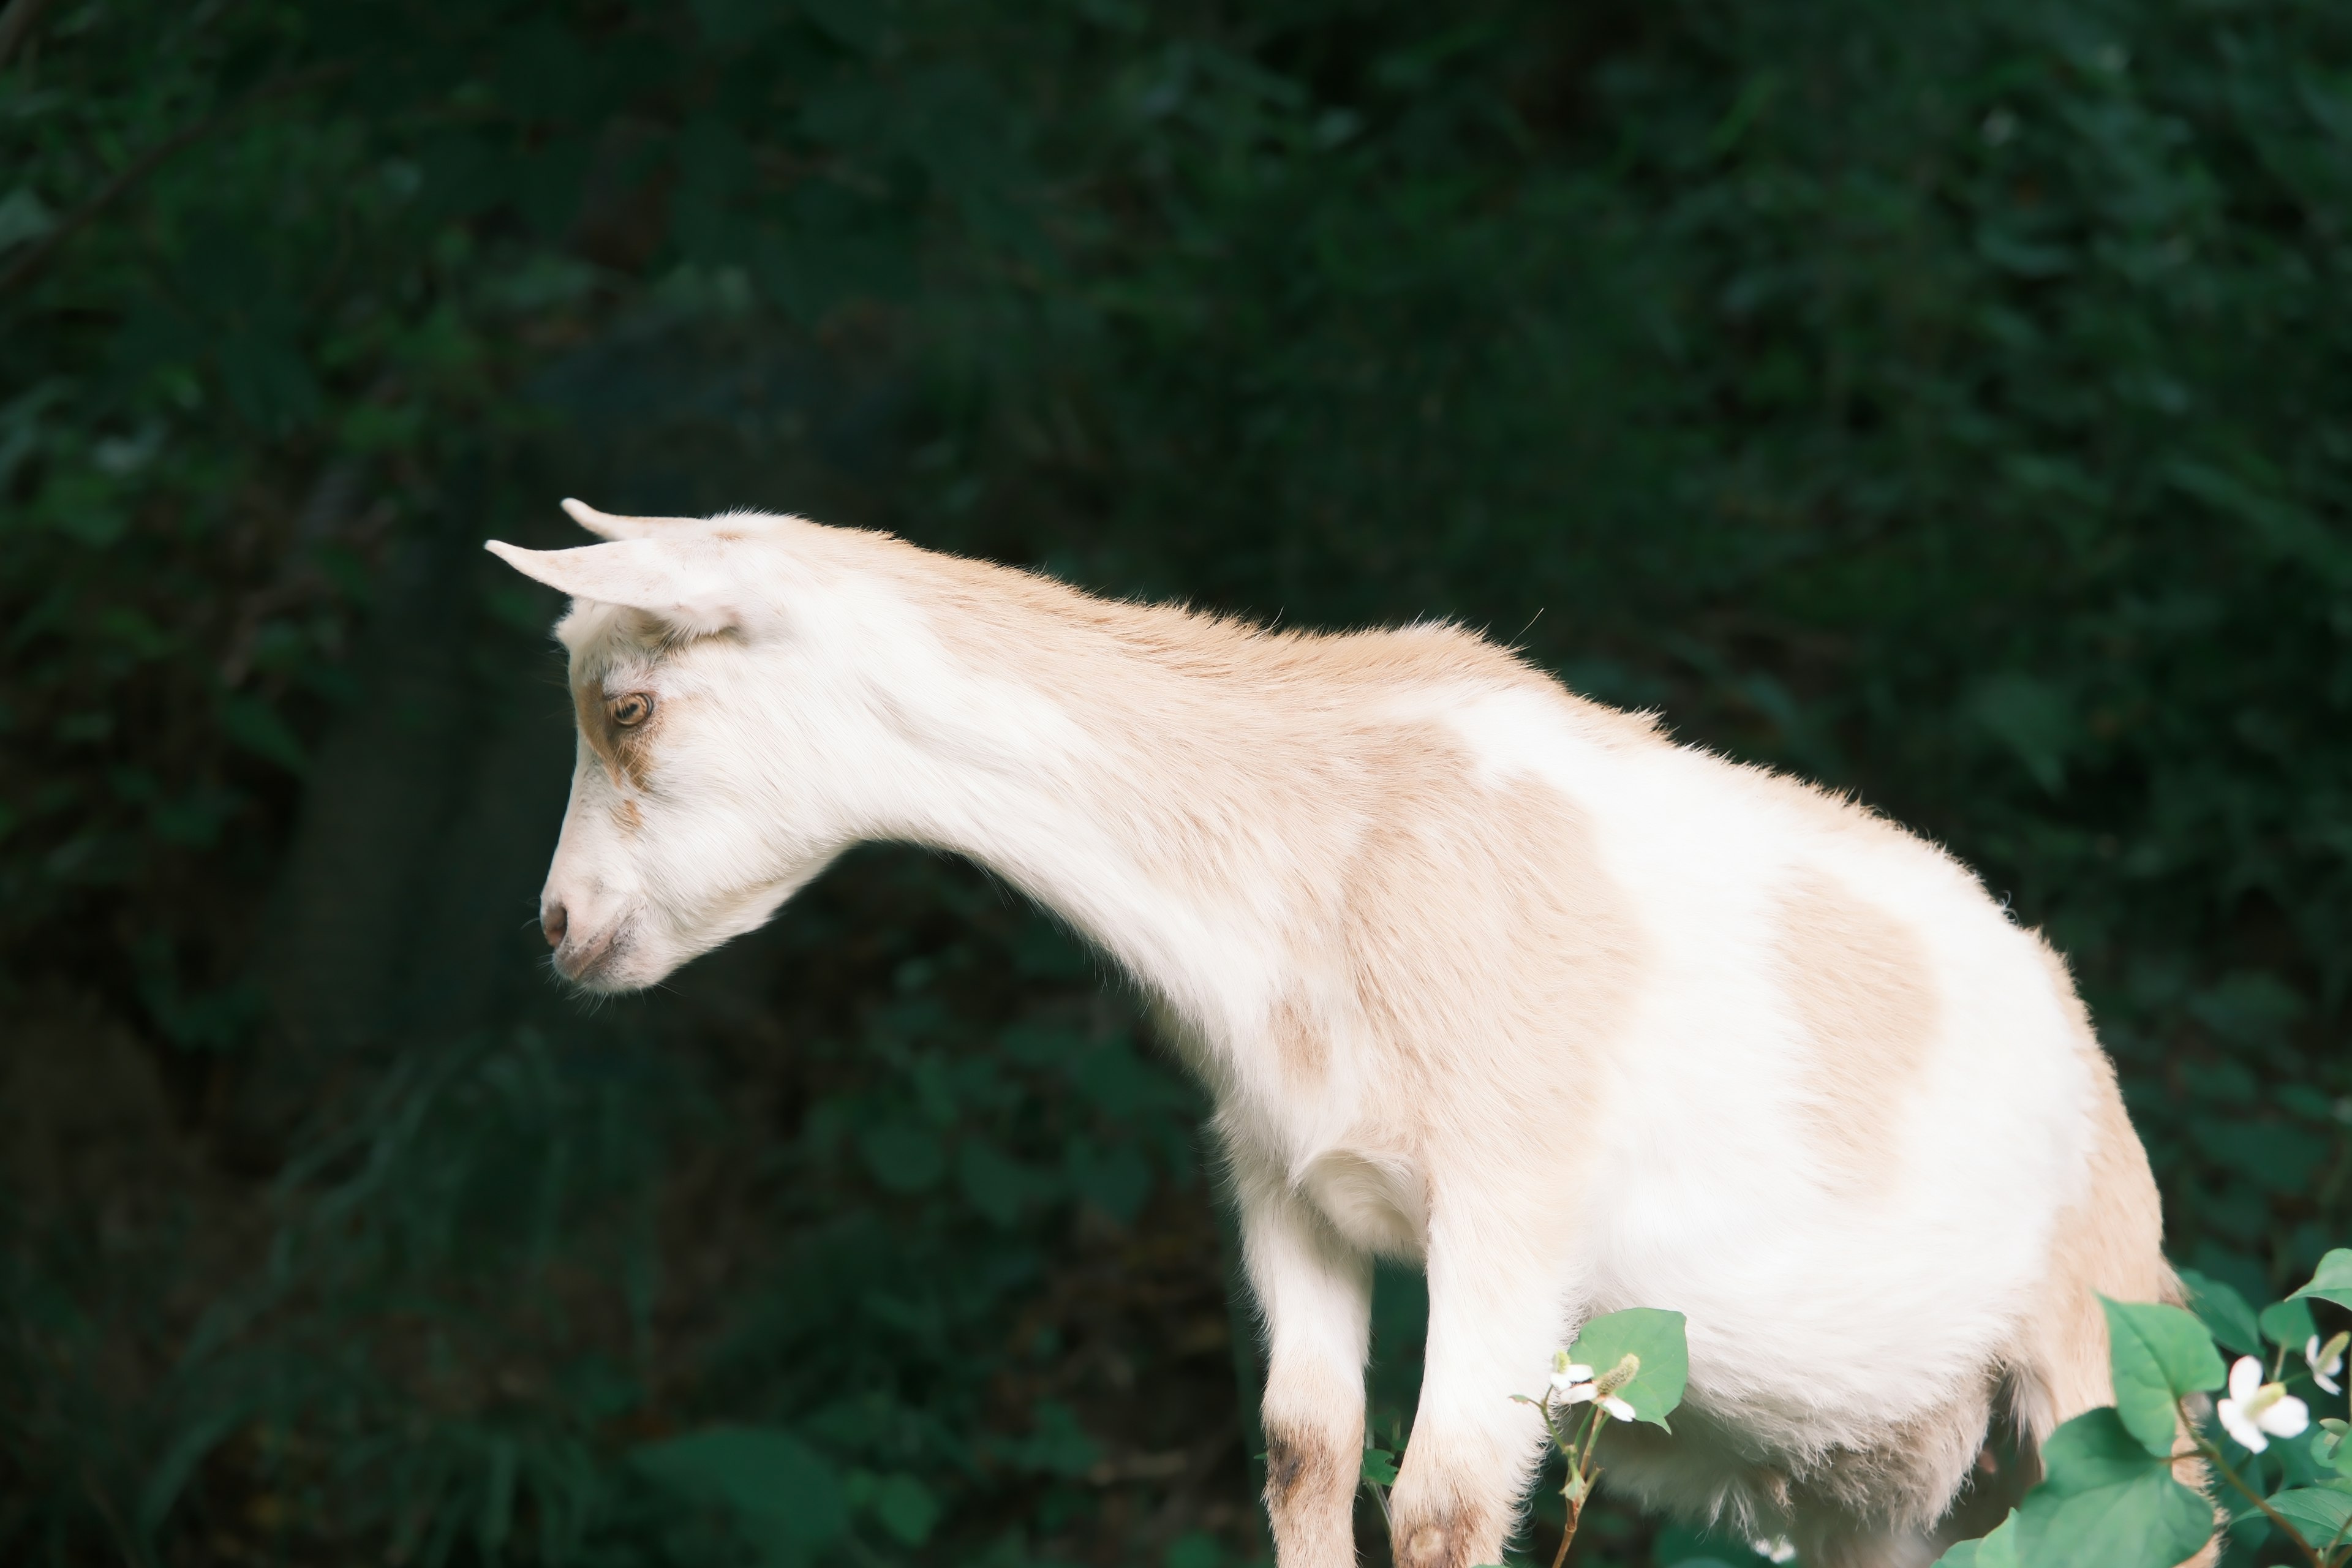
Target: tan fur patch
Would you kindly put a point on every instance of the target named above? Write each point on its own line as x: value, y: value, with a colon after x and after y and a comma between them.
x: 1302, y: 1049
x: 633, y: 750
x: 1864, y: 995
x: 1372, y: 824
x: 1538, y: 960
x: 2110, y: 1243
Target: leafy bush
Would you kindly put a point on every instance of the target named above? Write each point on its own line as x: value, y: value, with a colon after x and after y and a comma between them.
x: 1941, y: 400
x: 2116, y: 1494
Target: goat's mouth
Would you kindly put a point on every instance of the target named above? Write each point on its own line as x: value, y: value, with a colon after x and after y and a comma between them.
x: 592, y: 961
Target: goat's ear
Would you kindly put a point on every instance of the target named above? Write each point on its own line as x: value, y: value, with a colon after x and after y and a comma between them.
x: 691, y: 591
x: 604, y: 525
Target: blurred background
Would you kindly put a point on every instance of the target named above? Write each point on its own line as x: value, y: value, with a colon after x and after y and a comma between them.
x: 1951, y: 401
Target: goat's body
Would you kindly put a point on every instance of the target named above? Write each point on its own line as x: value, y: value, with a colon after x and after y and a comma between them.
x: 1491, y: 978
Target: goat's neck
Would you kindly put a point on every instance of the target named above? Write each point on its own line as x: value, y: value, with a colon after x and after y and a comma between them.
x: 1130, y: 802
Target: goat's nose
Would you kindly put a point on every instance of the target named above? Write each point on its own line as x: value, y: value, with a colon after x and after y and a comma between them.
x: 551, y: 923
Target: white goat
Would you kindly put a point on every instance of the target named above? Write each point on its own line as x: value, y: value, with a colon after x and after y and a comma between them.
x: 1481, y: 975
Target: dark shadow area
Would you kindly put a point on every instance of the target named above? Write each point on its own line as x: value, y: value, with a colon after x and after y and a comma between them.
x: 1942, y: 402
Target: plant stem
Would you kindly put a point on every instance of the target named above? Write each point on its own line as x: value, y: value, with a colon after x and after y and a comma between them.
x: 1579, y: 1461
x: 2213, y: 1455
x: 1567, y: 1532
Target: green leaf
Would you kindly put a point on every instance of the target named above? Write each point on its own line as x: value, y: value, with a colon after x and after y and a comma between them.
x: 254, y: 726
x: 2332, y: 1281
x: 1998, y: 1549
x: 2289, y: 1322
x: 2107, y: 1502
x: 1194, y: 1549
x: 904, y: 1156
x: 1684, y: 1546
x: 783, y: 1497
x: 180, y: 1461
x: 2158, y: 1354
x: 2033, y: 719
x: 1116, y: 1179
x: 994, y: 1182
x: 2331, y: 1447
x: 23, y: 216
x: 905, y: 1507
x: 859, y: 26
x: 1056, y: 1445
x: 2323, y: 1513
x: 1656, y: 1337
x: 497, y: 1500
x: 1380, y: 1467
x: 2223, y: 1312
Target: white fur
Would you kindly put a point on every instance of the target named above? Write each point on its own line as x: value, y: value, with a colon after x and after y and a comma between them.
x: 811, y: 693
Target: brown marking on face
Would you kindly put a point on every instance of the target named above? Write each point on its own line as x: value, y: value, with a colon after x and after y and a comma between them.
x: 588, y: 709
x: 627, y: 753
x: 1865, y: 997
x: 627, y: 816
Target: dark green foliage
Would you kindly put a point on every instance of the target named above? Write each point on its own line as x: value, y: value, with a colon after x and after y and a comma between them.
x: 1945, y: 401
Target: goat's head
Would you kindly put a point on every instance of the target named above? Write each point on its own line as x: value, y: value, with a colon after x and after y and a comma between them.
x: 698, y: 803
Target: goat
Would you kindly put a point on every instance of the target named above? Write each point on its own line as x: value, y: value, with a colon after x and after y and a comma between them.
x: 1480, y: 975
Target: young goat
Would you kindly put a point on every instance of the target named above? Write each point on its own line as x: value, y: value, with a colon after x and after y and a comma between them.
x: 1481, y: 975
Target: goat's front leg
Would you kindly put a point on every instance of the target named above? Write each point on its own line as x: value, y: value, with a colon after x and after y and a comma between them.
x: 1496, y: 1312
x: 1315, y: 1292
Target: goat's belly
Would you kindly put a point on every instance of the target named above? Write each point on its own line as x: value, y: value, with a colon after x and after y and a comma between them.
x: 1903, y: 1475
x: 1830, y: 1317
x: 1814, y: 1291
x: 1837, y: 1369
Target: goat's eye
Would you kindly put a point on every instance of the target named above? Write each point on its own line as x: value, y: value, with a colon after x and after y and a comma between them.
x: 630, y: 710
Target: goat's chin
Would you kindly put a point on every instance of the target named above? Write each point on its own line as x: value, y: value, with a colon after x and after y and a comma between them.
x: 642, y: 946
x: 615, y: 960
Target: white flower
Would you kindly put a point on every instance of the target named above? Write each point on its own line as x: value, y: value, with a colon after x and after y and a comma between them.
x: 1584, y: 1392
x: 1779, y: 1549
x: 1568, y: 1375
x: 2255, y: 1408
x: 2328, y: 1360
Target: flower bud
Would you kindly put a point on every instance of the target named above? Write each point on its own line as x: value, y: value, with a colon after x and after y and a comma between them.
x: 1628, y: 1367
